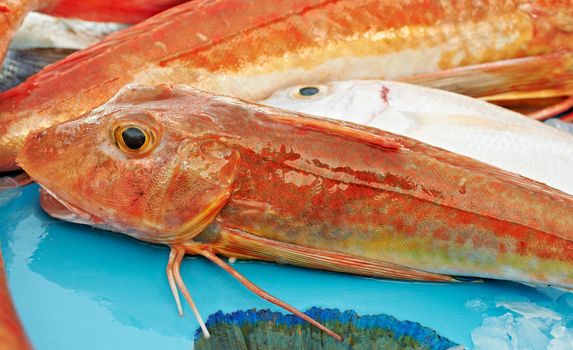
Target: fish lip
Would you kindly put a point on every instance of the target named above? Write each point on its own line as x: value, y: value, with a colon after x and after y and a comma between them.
x: 70, y: 213
x: 73, y: 213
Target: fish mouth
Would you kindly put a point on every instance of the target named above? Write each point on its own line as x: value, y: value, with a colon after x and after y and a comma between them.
x: 60, y: 209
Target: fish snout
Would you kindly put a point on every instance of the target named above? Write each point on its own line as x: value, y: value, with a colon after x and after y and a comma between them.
x: 44, y: 154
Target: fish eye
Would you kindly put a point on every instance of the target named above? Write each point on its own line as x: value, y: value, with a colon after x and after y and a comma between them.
x: 309, y: 91
x: 133, y: 139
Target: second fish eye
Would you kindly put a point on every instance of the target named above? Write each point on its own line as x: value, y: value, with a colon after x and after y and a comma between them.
x: 308, y: 91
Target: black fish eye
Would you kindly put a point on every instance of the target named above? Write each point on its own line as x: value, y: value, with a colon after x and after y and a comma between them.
x: 308, y: 91
x: 133, y: 138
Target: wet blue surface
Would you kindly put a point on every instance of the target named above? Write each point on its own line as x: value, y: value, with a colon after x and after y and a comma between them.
x: 77, y: 287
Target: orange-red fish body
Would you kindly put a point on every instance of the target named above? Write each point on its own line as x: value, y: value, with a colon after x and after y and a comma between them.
x: 248, y: 49
x: 257, y: 182
x: 387, y: 200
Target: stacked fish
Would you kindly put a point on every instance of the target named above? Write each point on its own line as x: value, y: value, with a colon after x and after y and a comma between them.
x: 168, y: 131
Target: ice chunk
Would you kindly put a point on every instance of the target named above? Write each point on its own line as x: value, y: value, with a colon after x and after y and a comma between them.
x: 528, y: 326
x: 529, y: 310
x: 476, y: 305
x: 562, y: 338
x: 552, y: 293
x: 507, y: 332
x: 495, y: 333
x: 530, y: 334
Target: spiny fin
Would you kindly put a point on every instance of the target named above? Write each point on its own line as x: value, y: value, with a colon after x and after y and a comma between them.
x: 519, y: 78
x: 236, y: 243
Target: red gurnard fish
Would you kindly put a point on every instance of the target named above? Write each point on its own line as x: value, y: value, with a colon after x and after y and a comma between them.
x: 249, y: 49
x: 211, y: 175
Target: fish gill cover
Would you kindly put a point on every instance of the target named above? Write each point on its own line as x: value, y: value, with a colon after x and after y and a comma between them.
x: 264, y: 329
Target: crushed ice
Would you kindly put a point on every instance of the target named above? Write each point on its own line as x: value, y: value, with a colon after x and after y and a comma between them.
x: 525, y: 325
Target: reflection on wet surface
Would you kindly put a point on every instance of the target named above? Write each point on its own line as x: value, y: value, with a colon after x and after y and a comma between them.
x: 75, y: 286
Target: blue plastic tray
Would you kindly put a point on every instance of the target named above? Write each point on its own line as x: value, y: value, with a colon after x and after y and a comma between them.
x: 78, y: 287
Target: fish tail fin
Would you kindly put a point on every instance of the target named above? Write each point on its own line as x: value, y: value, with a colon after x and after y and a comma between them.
x: 527, y: 78
x: 128, y: 11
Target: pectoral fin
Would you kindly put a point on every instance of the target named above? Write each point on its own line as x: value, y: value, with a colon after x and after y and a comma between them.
x: 236, y: 243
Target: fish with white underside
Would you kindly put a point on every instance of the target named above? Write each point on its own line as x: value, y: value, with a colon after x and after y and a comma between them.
x: 451, y: 121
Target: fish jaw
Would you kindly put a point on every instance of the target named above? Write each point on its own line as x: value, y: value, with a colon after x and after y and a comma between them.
x: 61, y: 210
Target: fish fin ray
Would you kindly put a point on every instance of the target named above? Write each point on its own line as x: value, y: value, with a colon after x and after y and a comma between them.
x: 171, y: 279
x: 207, y: 253
x: 174, y: 269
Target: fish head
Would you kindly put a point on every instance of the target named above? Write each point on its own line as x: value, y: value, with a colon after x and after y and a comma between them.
x: 131, y: 166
